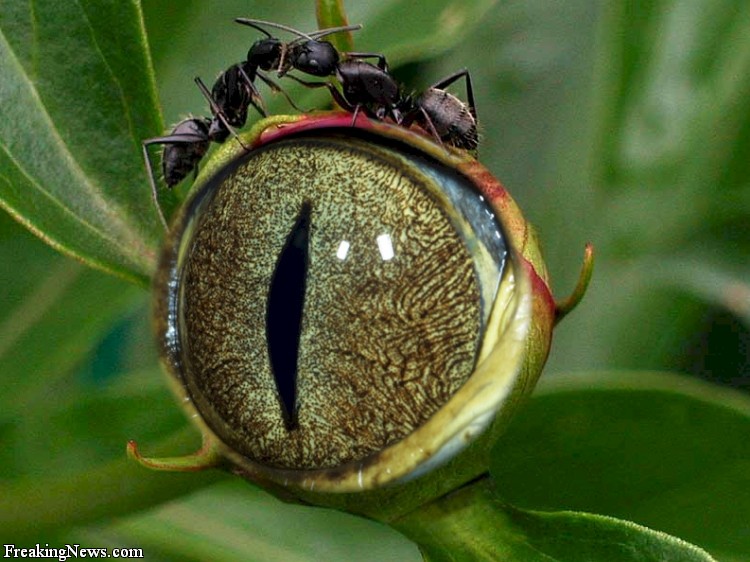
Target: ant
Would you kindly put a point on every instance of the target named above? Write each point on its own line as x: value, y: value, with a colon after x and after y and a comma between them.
x: 365, y: 86
x: 230, y: 98
x: 371, y: 88
x: 235, y: 90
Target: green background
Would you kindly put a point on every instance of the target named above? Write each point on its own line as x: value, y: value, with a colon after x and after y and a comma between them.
x: 627, y: 126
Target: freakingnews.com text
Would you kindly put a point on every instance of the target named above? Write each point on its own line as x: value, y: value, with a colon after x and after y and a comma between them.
x: 69, y: 551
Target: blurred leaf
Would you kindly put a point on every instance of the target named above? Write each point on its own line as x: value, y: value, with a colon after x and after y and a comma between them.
x: 662, y: 450
x: 76, y: 99
x: 331, y: 13
x: 52, y: 313
x: 33, y: 507
x: 234, y: 521
x: 708, y: 278
x: 407, y: 35
x: 60, y: 439
x: 472, y: 525
x: 679, y: 74
x: 646, y: 157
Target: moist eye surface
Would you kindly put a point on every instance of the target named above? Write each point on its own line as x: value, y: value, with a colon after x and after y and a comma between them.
x: 333, y: 299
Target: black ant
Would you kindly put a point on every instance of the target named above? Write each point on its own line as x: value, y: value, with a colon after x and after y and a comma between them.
x: 230, y: 98
x: 371, y: 88
x: 365, y: 86
x: 183, y: 149
x: 190, y: 139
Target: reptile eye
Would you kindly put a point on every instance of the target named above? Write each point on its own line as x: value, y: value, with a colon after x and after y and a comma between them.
x: 342, y: 308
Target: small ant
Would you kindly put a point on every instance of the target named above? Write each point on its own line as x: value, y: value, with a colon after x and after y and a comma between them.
x: 230, y: 98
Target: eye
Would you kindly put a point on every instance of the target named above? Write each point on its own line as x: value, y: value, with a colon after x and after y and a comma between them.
x: 328, y: 294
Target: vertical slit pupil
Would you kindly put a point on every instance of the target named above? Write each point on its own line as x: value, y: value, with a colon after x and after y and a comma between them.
x: 286, y: 301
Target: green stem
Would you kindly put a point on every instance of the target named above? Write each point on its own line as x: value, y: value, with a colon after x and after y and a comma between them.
x: 471, y: 524
x: 331, y: 13
x: 467, y: 524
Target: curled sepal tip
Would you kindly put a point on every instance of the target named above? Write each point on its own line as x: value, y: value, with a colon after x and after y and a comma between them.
x: 207, y: 456
x: 562, y: 308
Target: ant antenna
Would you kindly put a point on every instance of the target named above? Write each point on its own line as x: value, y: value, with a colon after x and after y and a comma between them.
x: 331, y: 30
x: 257, y: 23
x: 310, y: 37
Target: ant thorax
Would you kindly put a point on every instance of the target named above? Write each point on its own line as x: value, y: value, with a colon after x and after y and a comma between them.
x: 266, y: 54
x: 317, y: 58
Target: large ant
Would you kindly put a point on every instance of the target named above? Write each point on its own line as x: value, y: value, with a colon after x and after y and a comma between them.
x: 230, y: 98
x: 365, y: 86
x: 371, y: 88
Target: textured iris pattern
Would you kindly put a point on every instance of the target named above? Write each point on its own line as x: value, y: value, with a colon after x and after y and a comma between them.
x: 392, y: 315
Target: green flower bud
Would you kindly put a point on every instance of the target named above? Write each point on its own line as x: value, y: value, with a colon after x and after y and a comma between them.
x: 351, y: 313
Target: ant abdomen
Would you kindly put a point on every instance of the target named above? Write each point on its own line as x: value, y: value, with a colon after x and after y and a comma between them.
x: 452, y: 119
x: 185, y: 147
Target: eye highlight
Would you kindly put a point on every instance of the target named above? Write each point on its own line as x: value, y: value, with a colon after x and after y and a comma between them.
x: 330, y: 295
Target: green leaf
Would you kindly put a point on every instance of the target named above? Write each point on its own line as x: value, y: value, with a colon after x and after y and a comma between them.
x: 707, y: 278
x: 32, y: 507
x: 52, y: 313
x: 77, y: 99
x: 442, y: 24
x: 331, y: 13
x: 665, y: 451
x: 64, y: 438
x: 472, y: 525
x: 234, y: 521
x: 679, y: 76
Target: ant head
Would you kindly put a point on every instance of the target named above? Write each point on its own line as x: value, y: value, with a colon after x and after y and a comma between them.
x: 318, y: 58
x: 265, y: 53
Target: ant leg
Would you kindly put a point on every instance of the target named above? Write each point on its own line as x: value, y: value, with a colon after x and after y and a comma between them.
x: 355, y: 113
x: 278, y: 89
x: 216, y: 110
x: 382, y: 64
x: 169, y: 139
x: 431, y: 127
x: 259, y: 105
x: 337, y: 96
x: 150, y: 172
x: 447, y: 81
